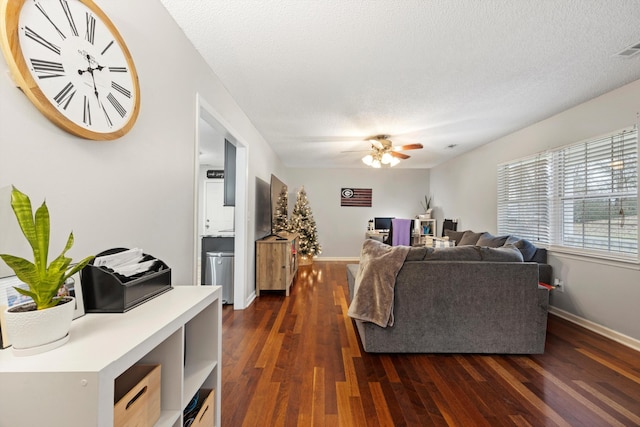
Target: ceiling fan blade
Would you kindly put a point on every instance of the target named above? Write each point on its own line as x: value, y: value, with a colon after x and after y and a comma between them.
x: 399, y: 155
x: 408, y: 147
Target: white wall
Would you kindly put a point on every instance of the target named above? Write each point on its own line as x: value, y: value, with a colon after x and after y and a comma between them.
x: 137, y: 191
x: 466, y: 187
x: 341, y: 230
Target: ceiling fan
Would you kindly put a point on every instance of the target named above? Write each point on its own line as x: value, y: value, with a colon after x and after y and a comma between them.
x: 384, y: 153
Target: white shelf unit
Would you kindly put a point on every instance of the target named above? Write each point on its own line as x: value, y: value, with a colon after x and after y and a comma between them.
x: 73, y: 385
x: 433, y: 229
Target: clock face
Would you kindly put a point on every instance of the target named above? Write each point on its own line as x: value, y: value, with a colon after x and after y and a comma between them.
x: 75, y: 66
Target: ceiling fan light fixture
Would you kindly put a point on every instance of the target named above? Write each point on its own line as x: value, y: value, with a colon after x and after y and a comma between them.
x: 384, y: 154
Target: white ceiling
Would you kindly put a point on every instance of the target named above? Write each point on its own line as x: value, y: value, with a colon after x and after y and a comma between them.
x: 316, y: 77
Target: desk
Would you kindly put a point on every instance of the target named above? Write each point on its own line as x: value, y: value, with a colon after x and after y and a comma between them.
x: 381, y: 236
x: 416, y: 239
x: 377, y: 235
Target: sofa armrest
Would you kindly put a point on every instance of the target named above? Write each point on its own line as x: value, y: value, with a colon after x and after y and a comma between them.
x: 352, y: 272
x: 545, y: 274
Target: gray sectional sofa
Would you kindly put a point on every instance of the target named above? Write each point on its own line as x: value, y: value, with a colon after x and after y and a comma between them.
x: 465, y: 299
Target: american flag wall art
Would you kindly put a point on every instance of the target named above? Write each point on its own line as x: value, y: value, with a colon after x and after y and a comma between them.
x: 356, y: 197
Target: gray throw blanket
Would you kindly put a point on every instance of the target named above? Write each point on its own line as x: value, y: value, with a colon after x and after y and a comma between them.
x: 375, y: 282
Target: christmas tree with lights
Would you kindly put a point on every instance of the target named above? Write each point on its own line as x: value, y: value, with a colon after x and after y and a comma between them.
x: 280, y: 218
x: 302, y: 222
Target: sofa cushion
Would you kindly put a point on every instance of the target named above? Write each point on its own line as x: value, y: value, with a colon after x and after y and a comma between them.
x: 456, y: 236
x: 508, y: 253
x: 469, y: 238
x: 491, y: 241
x: 416, y: 253
x: 456, y: 253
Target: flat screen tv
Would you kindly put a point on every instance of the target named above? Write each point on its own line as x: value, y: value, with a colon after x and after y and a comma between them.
x: 267, y: 195
x: 263, y: 209
x: 278, y: 189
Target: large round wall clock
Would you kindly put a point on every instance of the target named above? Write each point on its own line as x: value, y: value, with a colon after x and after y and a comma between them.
x: 71, y: 62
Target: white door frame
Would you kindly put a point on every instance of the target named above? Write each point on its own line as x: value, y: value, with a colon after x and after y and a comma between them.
x: 211, y: 116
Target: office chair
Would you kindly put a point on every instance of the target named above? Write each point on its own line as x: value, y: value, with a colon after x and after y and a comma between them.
x: 400, y: 232
x: 449, y: 224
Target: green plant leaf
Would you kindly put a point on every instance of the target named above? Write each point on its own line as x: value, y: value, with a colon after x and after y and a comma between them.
x: 43, y: 230
x: 21, y: 205
x: 24, y: 270
x: 43, y: 280
x: 70, y: 241
x: 60, y: 264
x: 25, y: 292
x: 49, y: 290
x: 79, y: 266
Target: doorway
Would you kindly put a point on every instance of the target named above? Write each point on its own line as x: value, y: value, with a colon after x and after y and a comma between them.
x: 218, y: 218
x: 210, y: 125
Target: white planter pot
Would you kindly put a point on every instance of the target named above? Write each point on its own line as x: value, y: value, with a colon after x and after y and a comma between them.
x: 426, y: 215
x: 32, y: 332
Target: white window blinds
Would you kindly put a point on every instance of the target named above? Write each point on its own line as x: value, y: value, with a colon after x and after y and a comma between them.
x: 596, y: 197
x: 523, y: 199
x: 582, y: 197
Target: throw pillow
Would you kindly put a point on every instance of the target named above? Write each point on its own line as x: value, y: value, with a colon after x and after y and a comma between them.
x: 456, y: 236
x: 507, y: 253
x: 527, y: 249
x: 469, y: 238
x: 491, y: 241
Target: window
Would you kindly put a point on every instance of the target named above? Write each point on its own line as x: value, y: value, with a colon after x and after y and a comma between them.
x: 596, y: 198
x: 523, y: 198
x: 582, y: 197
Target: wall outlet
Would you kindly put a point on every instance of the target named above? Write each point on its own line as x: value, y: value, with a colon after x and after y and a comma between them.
x: 559, y: 284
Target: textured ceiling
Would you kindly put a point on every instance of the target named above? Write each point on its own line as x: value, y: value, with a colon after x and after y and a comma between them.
x: 316, y: 77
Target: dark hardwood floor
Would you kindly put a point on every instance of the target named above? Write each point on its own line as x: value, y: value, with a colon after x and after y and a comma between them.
x: 297, y: 361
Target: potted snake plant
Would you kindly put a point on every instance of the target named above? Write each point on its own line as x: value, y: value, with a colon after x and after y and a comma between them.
x: 43, y: 323
x: 427, y: 208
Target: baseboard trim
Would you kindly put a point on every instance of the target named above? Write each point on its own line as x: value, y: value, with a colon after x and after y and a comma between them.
x: 597, y: 328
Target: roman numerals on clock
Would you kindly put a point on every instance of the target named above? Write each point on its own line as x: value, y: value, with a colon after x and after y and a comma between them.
x: 69, y: 16
x: 120, y: 89
x: 47, y: 69
x: 91, y: 28
x: 41, y: 9
x: 106, y: 116
x: 107, y: 47
x: 90, y: 22
x: 73, y: 63
x: 41, y: 40
x: 85, y: 69
x: 64, y: 97
x: 86, y: 116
